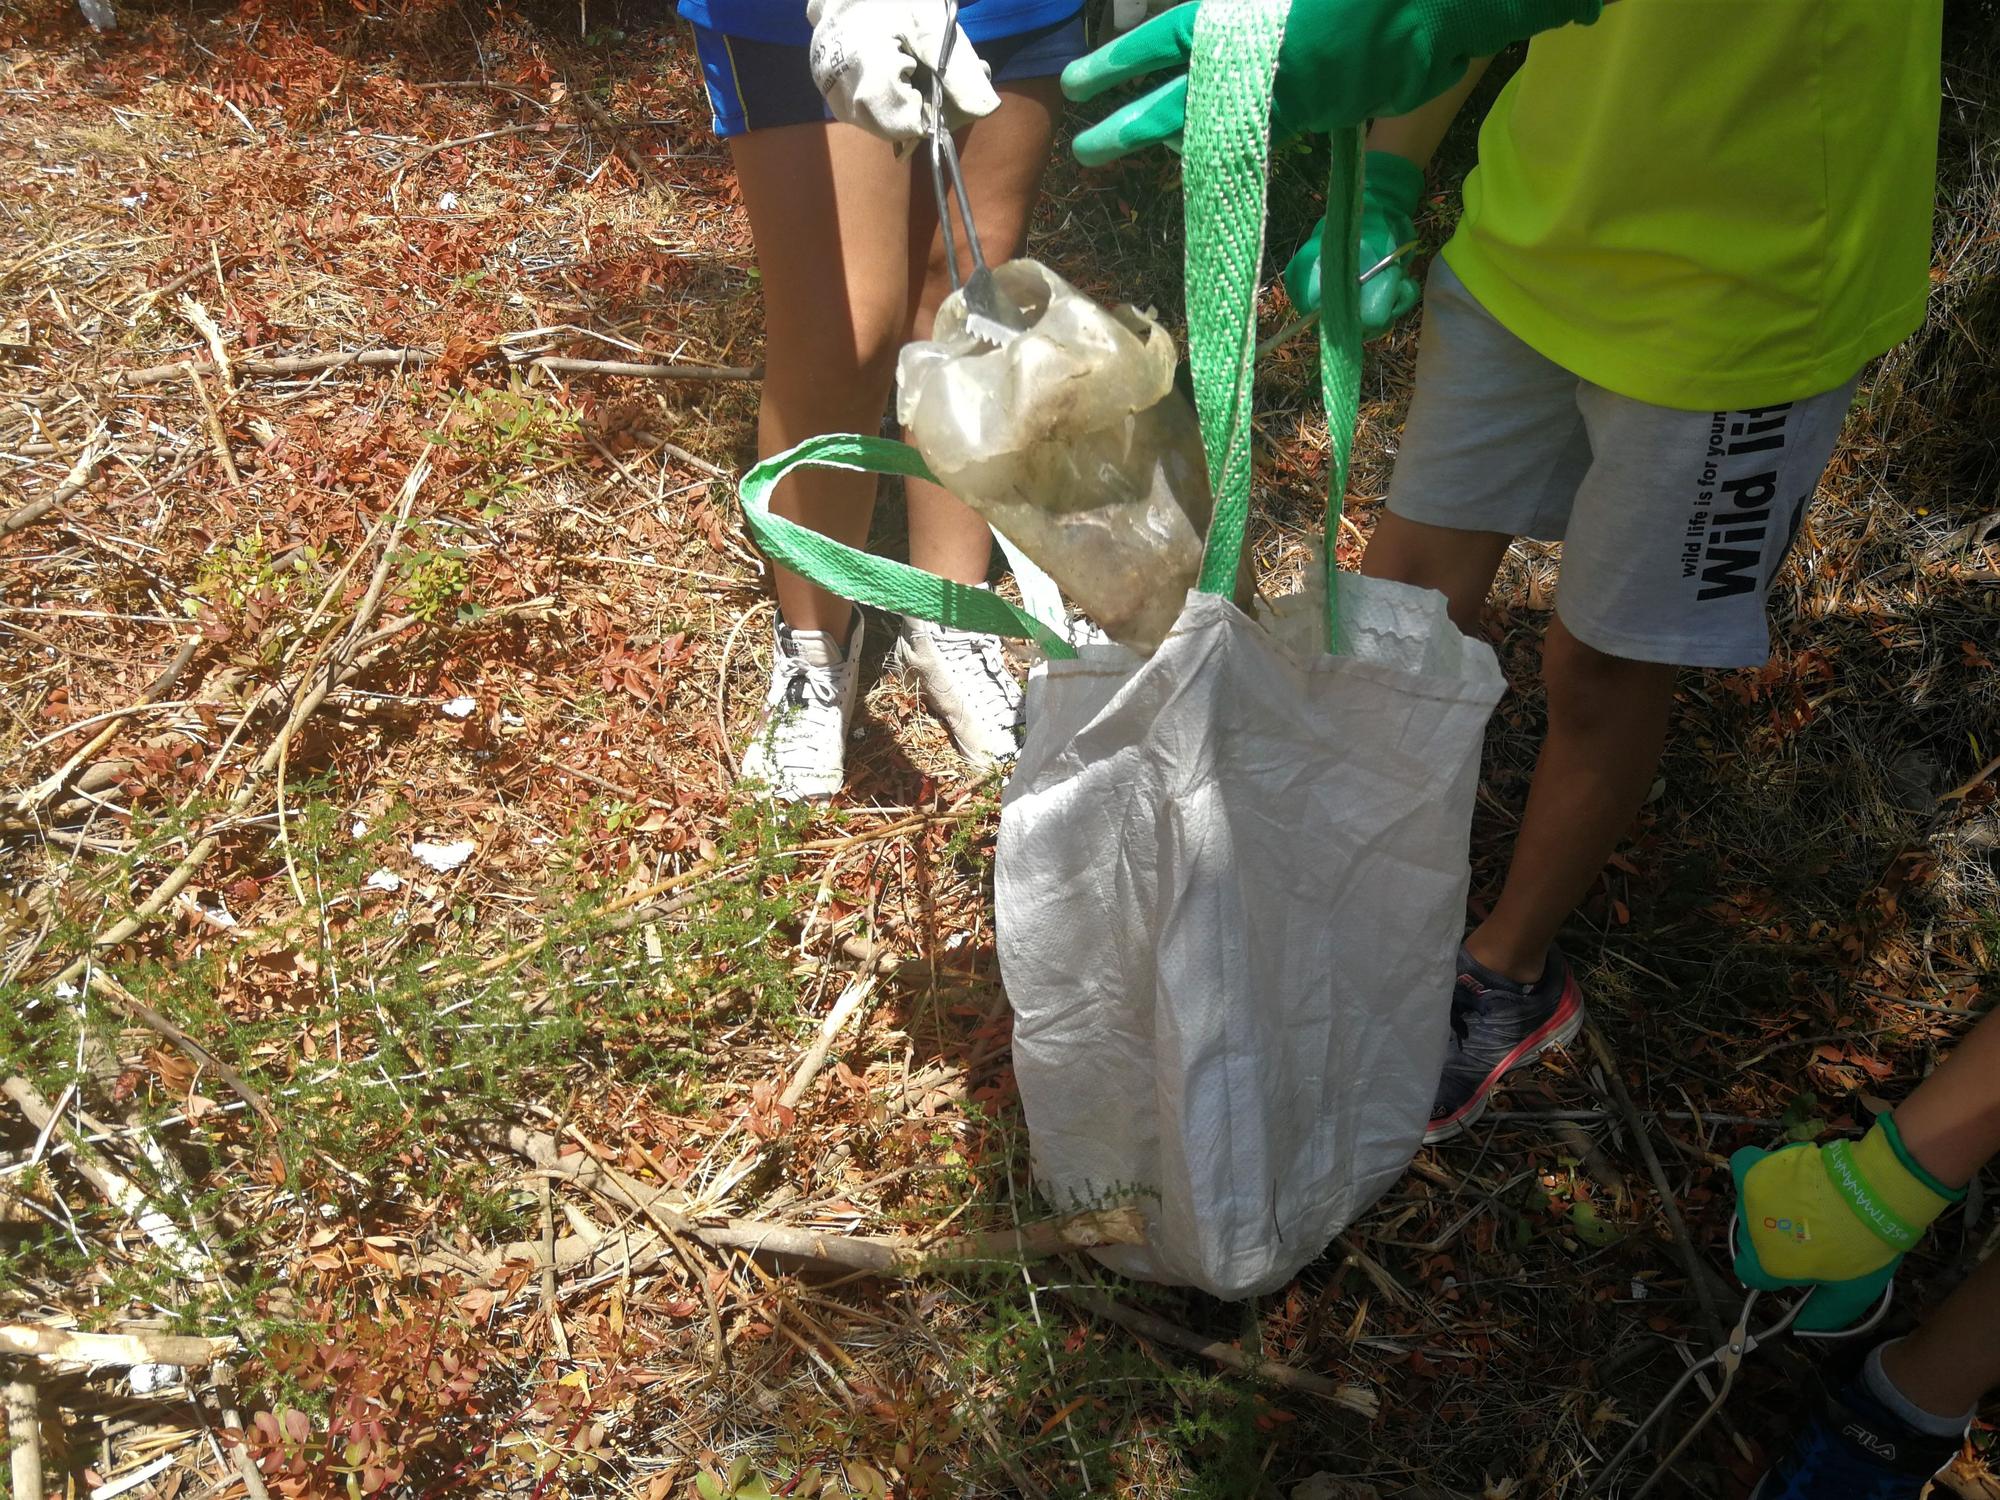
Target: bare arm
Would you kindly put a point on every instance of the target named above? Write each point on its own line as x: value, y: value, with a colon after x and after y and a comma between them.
x: 1415, y: 136
x: 1952, y: 1122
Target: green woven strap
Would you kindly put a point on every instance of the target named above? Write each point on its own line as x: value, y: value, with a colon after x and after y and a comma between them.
x: 1340, y: 343
x: 861, y: 576
x: 1232, y: 66
x: 1231, y: 70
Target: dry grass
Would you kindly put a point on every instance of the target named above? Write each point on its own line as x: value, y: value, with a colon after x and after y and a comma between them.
x: 1752, y: 952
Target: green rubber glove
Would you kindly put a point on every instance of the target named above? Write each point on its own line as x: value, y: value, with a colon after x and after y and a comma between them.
x: 1342, y: 62
x: 1837, y: 1218
x: 1391, y: 188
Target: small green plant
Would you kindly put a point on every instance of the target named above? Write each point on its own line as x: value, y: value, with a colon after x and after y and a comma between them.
x: 503, y: 438
x: 434, y: 580
x: 738, y: 1482
x: 232, y: 574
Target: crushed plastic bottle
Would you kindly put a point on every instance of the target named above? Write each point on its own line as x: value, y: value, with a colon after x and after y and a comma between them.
x: 1073, y: 442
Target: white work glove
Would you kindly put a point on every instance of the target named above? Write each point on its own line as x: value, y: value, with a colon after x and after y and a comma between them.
x: 1125, y: 14
x: 865, y: 57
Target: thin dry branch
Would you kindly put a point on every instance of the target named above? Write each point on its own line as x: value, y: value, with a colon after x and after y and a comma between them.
x: 711, y: 869
x: 397, y: 359
x: 1683, y: 1242
x: 51, y: 785
x: 881, y: 1255
x: 1971, y: 784
x: 1355, y: 1398
x: 146, y: 1016
x: 599, y: 116
x: 327, y: 666
x: 191, y: 1260
x: 851, y: 1000
x: 533, y: 127
x: 81, y: 476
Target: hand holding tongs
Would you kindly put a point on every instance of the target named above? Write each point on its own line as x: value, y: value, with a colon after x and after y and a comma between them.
x: 990, y: 315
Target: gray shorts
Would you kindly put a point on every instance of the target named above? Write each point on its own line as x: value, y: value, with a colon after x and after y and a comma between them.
x: 1673, y: 523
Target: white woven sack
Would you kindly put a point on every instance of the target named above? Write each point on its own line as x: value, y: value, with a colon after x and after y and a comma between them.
x: 1230, y: 889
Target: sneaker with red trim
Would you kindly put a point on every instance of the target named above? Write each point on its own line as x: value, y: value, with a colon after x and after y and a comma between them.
x: 1498, y: 1025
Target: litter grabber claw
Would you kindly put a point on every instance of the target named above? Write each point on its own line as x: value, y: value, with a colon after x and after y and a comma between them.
x: 1836, y: 1311
x: 1725, y: 1361
x: 990, y: 315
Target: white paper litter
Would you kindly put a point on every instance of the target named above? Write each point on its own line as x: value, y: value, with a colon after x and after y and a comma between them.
x: 147, y: 1379
x: 460, y: 708
x: 443, y: 857
x: 384, y: 879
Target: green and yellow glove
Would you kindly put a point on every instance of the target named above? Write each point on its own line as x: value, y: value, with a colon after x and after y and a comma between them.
x: 1342, y: 62
x: 1391, y: 188
x: 1836, y: 1218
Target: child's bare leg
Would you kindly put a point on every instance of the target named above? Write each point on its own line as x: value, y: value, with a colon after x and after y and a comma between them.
x: 829, y: 210
x: 1953, y: 1359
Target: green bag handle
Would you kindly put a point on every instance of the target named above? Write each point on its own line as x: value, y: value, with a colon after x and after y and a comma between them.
x: 1231, y: 71
x: 862, y: 576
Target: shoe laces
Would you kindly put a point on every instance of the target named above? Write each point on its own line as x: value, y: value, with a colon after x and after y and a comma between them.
x: 804, y: 704
x: 807, y: 685
x: 978, y: 665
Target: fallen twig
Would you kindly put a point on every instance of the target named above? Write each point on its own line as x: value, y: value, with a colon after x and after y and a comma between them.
x: 850, y: 1001
x: 327, y: 665
x: 878, y: 1255
x: 24, y: 1437
x: 643, y: 1246
x: 365, y: 653
x: 401, y: 358
x: 535, y: 127
x: 52, y: 784
x: 692, y: 460
x: 216, y: 436
x: 646, y: 370
x: 551, y: 1305
x: 191, y: 1259
x: 599, y: 116
x: 1965, y: 788
x: 1355, y: 1398
x: 711, y: 869
x: 637, y: 1195
x: 79, y: 480
x: 146, y: 1016
x: 141, y: 1347
x: 1690, y: 1259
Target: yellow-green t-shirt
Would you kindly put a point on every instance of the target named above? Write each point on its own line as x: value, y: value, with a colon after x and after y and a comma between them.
x: 1712, y: 204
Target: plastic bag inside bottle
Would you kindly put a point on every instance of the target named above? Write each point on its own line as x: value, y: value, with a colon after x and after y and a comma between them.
x: 1073, y: 442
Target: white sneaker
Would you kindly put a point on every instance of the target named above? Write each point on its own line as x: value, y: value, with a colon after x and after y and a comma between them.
x: 966, y: 681
x: 799, y: 751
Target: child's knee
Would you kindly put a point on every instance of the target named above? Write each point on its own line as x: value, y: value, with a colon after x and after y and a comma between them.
x: 1588, y: 687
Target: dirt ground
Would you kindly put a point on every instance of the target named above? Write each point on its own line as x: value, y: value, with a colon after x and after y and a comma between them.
x: 397, y: 991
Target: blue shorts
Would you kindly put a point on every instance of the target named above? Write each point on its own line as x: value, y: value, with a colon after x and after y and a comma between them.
x: 755, y: 85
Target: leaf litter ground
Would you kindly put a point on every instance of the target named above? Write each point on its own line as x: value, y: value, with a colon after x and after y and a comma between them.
x: 470, y: 1050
